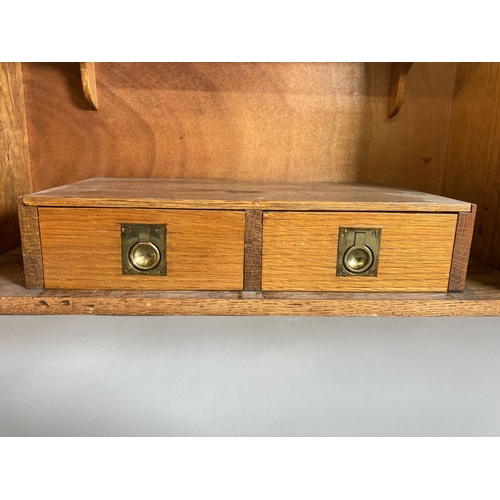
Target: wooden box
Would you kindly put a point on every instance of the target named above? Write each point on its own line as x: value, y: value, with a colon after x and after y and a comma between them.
x: 245, y: 236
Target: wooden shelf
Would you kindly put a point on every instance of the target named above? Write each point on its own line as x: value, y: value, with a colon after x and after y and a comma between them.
x: 480, y: 298
x: 399, y: 70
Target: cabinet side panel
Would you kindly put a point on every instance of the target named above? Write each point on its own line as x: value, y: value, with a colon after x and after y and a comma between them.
x: 32, y: 249
x: 300, y: 252
x: 461, y: 250
x: 472, y: 167
x: 15, y: 174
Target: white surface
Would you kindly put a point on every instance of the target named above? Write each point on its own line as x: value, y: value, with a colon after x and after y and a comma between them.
x: 228, y: 376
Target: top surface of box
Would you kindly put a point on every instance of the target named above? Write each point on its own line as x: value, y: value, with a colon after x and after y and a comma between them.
x: 241, y: 195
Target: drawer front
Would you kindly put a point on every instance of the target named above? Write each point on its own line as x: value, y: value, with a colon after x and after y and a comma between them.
x: 81, y: 249
x: 299, y: 251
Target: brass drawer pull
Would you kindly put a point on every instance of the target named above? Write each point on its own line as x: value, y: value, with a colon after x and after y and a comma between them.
x: 358, y: 251
x: 144, y: 249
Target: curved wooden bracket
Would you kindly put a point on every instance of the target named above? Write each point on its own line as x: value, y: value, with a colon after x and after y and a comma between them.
x: 399, y: 70
x: 87, y: 70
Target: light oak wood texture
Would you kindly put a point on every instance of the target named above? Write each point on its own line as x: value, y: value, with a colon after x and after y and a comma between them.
x: 241, y: 195
x: 246, y: 121
x: 31, y: 245
x: 87, y: 70
x: 253, y: 250
x: 461, y: 250
x: 480, y: 298
x: 473, y: 157
x: 82, y: 249
x: 299, y: 252
x: 399, y: 70
x: 15, y: 174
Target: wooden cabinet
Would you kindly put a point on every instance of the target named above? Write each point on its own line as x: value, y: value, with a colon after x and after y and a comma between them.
x: 263, y: 236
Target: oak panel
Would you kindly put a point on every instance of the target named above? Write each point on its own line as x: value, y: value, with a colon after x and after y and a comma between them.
x: 82, y: 249
x: 300, y: 251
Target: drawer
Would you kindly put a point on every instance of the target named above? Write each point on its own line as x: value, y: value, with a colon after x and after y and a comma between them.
x: 81, y: 248
x: 299, y: 251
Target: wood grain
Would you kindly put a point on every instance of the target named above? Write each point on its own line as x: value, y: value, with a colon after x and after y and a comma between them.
x: 82, y: 249
x: 31, y: 245
x: 252, y: 279
x: 15, y: 175
x: 399, y: 70
x: 299, y: 251
x: 87, y: 70
x: 480, y: 298
x: 461, y: 250
x: 473, y: 157
x: 241, y: 195
x: 246, y: 121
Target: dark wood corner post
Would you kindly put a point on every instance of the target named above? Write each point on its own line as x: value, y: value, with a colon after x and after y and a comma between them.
x: 31, y: 244
x: 461, y: 250
x: 252, y: 277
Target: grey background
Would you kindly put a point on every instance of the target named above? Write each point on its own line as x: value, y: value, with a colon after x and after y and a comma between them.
x: 255, y: 376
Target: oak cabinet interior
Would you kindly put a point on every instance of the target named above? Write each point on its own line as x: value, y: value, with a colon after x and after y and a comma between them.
x: 264, y: 123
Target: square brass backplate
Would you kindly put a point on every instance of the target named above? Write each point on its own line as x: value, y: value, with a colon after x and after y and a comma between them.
x: 144, y: 249
x: 358, y: 251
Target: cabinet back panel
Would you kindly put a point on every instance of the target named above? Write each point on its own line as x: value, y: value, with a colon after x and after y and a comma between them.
x: 253, y: 121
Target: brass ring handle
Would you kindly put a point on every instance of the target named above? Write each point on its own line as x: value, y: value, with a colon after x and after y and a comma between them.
x: 144, y: 256
x: 358, y: 258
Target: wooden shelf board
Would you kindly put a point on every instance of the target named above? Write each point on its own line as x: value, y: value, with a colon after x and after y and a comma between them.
x: 480, y: 298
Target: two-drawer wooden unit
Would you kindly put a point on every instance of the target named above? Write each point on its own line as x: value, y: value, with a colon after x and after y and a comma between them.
x: 160, y: 234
